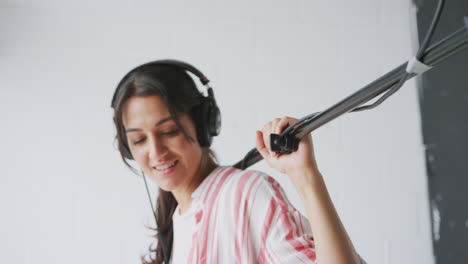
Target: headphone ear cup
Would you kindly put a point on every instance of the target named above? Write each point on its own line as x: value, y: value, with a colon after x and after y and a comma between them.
x: 200, y: 118
x: 214, y: 118
x: 208, y: 121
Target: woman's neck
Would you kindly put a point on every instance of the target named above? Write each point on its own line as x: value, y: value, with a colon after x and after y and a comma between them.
x: 183, y: 195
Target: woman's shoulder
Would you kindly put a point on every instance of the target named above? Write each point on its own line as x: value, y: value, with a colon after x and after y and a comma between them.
x: 251, y: 184
x: 238, y: 186
x: 243, y: 178
x: 255, y: 195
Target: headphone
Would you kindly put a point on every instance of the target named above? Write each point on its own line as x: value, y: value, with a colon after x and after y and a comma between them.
x: 206, y: 114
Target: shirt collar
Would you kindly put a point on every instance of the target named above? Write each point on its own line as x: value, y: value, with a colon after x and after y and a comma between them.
x: 202, y: 188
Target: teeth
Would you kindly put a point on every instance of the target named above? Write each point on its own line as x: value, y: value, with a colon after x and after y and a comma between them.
x: 165, y: 166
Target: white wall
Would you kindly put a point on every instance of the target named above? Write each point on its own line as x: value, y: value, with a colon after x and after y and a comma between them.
x: 64, y: 193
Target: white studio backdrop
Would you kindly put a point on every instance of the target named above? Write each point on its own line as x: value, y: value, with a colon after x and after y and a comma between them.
x: 66, y: 196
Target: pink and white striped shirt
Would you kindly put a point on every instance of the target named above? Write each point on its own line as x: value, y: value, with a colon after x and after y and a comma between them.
x: 245, y: 217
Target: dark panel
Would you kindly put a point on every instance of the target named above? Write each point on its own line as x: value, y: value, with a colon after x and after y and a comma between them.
x: 444, y: 108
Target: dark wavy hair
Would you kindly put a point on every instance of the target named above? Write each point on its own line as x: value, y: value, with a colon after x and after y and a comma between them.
x: 180, y: 94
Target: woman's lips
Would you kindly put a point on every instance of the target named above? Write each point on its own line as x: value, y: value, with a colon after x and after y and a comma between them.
x: 166, y: 168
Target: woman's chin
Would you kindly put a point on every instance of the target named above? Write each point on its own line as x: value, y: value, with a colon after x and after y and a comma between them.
x: 169, y: 180
x: 167, y: 184
x: 166, y: 187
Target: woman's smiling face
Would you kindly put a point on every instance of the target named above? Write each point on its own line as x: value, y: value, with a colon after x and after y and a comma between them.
x: 158, y: 145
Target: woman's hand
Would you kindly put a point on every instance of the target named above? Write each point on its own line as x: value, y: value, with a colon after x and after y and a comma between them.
x: 291, y: 164
x: 332, y: 243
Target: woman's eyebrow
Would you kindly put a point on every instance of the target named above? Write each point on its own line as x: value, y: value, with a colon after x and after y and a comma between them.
x: 160, y: 122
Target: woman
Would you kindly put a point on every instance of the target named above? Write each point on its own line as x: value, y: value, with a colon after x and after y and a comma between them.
x: 208, y: 213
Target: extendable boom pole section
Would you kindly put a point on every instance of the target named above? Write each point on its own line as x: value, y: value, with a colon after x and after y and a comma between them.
x: 436, y: 54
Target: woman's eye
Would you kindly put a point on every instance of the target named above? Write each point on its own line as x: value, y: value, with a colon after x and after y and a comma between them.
x: 169, y: 133
x: 172, y: 132
x: 138, y: 141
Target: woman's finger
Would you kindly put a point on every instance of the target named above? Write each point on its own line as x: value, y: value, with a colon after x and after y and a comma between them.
x: 266, y: 131
x: 275, y: 121
x: 262, y: 149
x: 282, y: 124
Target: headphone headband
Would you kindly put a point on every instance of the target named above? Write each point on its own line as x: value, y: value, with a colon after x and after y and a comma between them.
x: 188, y: 67
x: 168, y: 62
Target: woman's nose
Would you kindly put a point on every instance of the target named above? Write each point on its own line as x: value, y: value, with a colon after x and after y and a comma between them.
x: 158, y: 150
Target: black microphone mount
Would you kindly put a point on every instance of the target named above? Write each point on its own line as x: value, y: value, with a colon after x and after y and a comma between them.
x: 389, y: 83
